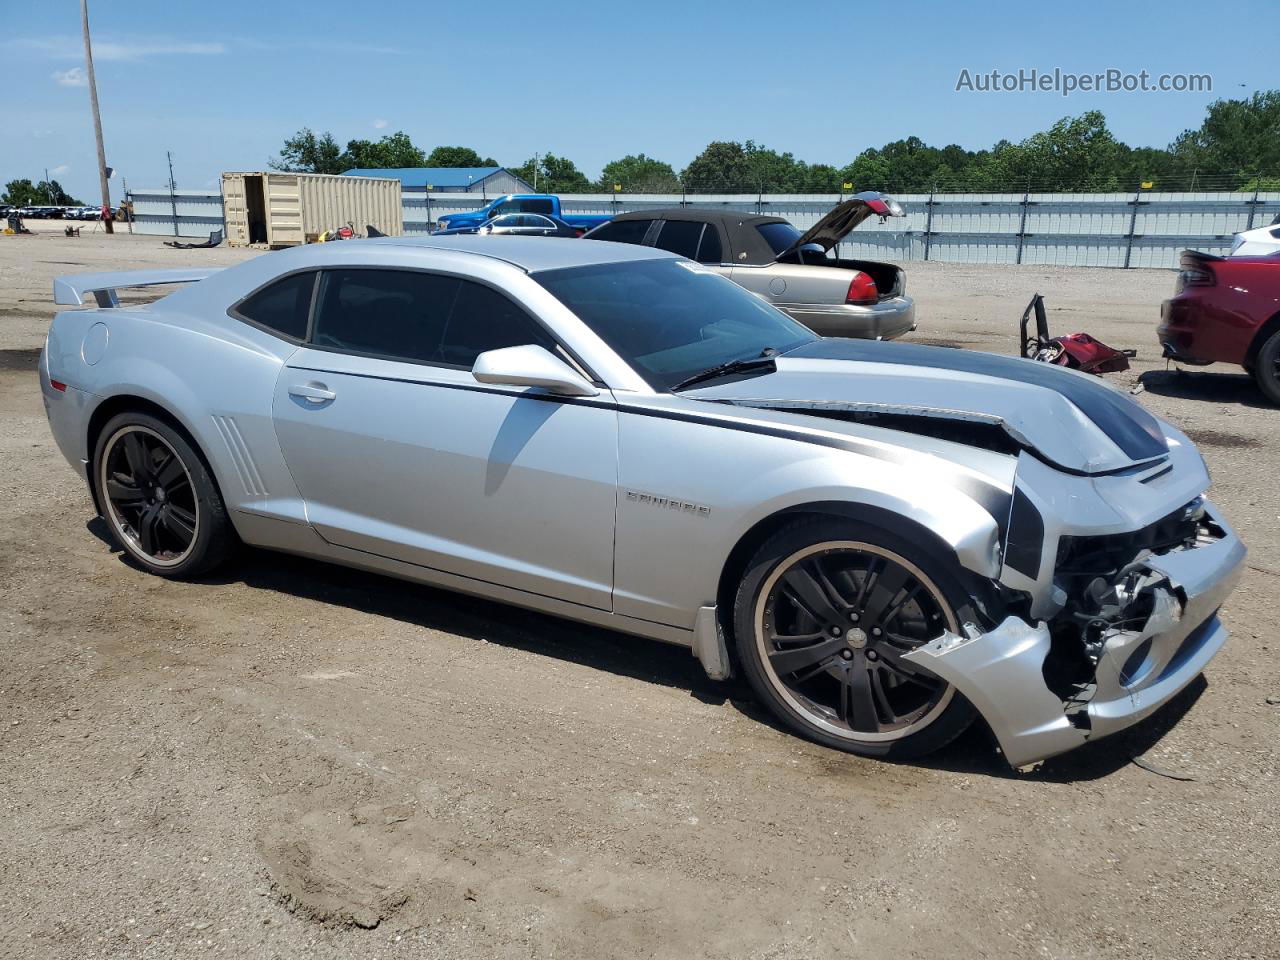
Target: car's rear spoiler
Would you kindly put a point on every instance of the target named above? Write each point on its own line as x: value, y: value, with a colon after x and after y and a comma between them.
x: 71, y: 290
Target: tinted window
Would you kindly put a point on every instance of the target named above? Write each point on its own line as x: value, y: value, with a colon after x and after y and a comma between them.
x: 680, y: 237
x: 283, y: 306
x: 483, y: 319
x: 779, y: 236
x: 709, y: 251
x: 669, y: 319
x: 526, y: 205
x: 387, y: 313
x: 623, y: 231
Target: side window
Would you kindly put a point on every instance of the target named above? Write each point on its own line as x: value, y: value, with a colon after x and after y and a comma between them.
x: 511, y: 206
x: 623, y: 231
x: 281, y: 307
x: 537, y: 205
x: 387, y: 313
x: 483, y: 319
x: 681, y: 237
x: 709, y: 251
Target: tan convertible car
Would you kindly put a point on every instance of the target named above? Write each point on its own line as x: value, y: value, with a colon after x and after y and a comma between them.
x: 794, y: 271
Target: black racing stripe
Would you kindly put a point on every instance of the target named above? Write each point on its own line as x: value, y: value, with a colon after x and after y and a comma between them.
x: 1026, y: 536
x: 1129, y: 426
x: 991, y: 497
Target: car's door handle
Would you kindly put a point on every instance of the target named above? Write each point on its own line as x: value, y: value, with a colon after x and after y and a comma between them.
x: 312, y: 392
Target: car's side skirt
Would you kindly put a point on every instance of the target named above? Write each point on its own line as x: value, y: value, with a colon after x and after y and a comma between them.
x: 302, y: 540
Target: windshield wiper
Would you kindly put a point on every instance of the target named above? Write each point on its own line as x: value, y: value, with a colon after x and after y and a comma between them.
x: 765, y: 359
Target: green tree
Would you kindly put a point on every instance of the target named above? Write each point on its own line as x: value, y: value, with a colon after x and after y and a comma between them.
x: 305, y: 152
x: 393, y: 150
x: 24, y: 193
x: 457, y: 157
x: 553, y: 175
x: 638, y: 173
x: 1076, y: 153
x: 723, y: 166
x: 1238, y: 137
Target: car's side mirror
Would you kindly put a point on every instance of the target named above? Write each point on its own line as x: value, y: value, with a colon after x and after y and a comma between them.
x: 531, y: 366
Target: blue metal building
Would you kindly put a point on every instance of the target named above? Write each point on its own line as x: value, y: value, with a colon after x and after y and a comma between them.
x: 488, y: 181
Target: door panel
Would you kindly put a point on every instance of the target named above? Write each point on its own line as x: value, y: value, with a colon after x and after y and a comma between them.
x: 420, y: 463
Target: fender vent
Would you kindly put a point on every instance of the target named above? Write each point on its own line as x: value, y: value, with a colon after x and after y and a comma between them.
x: 240, y: 456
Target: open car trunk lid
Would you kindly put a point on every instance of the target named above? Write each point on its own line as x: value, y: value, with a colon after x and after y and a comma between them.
x: 839, y: 222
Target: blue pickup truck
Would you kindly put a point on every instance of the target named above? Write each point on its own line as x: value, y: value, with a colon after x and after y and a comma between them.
x: 518, y: 203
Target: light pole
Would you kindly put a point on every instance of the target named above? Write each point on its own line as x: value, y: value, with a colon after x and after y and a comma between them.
x: 97, y: 118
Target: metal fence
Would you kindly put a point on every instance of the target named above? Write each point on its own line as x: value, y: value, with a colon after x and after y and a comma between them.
x: 1143, y: 229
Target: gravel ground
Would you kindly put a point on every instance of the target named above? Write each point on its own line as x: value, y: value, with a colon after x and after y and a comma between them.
x: 295, y: 760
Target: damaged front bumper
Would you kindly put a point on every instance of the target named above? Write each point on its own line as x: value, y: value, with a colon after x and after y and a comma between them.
x: 1139, y: 665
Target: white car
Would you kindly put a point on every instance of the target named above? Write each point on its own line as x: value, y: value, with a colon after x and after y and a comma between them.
x: 1261, y: 242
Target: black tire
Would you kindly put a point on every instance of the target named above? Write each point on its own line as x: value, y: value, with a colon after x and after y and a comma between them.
x: 166, y: 514
x: 1266, y: 368
x: 857, y: 555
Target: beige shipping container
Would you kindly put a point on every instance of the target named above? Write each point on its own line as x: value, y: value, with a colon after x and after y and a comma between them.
x: 286, y: 209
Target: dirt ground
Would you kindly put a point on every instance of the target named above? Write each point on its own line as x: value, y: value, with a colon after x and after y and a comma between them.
x: 295, y: 760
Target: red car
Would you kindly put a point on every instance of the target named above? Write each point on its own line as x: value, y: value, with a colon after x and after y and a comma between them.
x: 1226, y: 310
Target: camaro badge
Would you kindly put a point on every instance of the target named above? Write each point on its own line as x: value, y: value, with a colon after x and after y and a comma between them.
x: 669, y: 503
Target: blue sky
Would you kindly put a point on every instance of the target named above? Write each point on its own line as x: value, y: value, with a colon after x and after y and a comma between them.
x: 222, y: 84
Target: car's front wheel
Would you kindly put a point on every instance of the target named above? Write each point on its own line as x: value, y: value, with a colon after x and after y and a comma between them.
x: 1266, y: 368
x: 823, y: 616
x: 158, y: 497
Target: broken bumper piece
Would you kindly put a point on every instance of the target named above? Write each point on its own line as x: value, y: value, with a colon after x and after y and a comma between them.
x: 1001, y: 671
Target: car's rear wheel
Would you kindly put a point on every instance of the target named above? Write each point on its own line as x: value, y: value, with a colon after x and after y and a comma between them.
x: 823, y: 616
x: 158, y: 497
x: 1266, y: 368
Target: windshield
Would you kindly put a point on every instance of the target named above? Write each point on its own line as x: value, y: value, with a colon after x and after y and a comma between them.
x: 670, y: 319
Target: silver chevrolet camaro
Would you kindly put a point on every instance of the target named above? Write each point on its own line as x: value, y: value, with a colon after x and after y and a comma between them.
x: 885, y: 540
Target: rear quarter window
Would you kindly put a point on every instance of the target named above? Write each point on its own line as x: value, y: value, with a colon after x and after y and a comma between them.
x: 282, y: 307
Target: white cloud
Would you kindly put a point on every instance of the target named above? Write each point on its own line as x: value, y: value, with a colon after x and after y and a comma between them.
x: 379, y: 124
x: 72, y: 48
x: 75, y: 77
x: 59, y: 170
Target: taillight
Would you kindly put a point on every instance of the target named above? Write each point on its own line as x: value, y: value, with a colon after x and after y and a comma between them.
x: 862, y: 289
x: 58, y: 385
x: 1194, y: 277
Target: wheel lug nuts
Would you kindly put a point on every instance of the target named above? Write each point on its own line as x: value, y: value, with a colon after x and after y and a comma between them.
x: 875, y: 631
x: 872, y: 655
x: 853, y: 617
x: 846, y: 654
x: 836, y: 631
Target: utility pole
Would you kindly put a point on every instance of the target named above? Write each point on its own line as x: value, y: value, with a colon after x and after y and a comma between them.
x: 97, y: 119
x: 173, y: 198
x: 48, y: 187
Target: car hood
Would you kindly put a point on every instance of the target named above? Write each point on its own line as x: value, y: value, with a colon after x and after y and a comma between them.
x: 1074, y: 421
x: 837, y: 224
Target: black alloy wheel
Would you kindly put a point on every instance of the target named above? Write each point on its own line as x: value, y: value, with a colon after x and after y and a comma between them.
x: 827, y: 626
